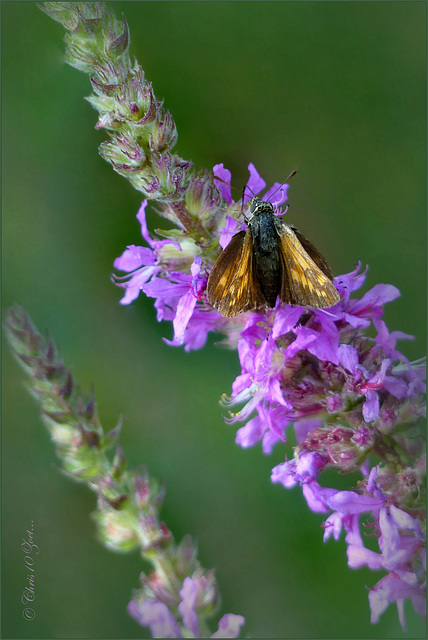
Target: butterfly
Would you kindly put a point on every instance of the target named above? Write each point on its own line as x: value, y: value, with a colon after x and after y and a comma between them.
x: 267, y: 260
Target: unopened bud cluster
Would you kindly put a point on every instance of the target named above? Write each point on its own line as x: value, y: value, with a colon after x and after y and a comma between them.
x: 142, y: 132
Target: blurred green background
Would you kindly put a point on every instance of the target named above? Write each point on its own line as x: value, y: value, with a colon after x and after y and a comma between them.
x: 333, y: 89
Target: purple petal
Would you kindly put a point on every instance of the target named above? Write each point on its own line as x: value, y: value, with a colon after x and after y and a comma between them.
x: 349, y: 282
x: 286, y: 319
x: 333, y: 525
x: 390, y: 533
x: 396, y: 387
x: 317, y: 496
x: 195, y: 337
x: 380, y: 597
x: 404, y: 520
x: 285, y: 473
x: 162, y: 288
x: 356, y: 322
x: 255, y: 183
x: 390, y: 589
x: 348, y: 357
x: 263, y: 357
x: 275, y: 394
x: 141, y: 217
x: 374, y: 299
x: 228, y: 231
x: 359, y: 556
x: 377, y: 379
x: 188, y: 594
x: 251, y: 433
x: 185, y: 308
x: 371, y: 406
x: 269, y: 441
x: 324, y: 347
x: 388, y: 340
x: 395, y: 559
x: 277, y: 421
x: 134, y: 257
x: 251, y: 332
x: 242, y: 383
x: 157, y: 616
x: 136, y: 283
x: 304, y: 337
x: 279, y: 190
x: 220, y: 172
x: 349, y: 502
x: 352, y: 526
x: 195, y: 269
x: 246, y: 356
x: 303, y: 427
x: 166, y: 308
x: 229, y: 626
x: 372, y: 480
x: 309, y: 466
x: 131, y: 294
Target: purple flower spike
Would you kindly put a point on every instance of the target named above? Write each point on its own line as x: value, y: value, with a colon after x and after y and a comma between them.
x: 354, y: 401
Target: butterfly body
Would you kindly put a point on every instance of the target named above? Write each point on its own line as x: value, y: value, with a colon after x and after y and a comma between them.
x: 268, y: 260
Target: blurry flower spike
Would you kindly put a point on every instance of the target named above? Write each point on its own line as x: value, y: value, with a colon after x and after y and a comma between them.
x: 334, y: 374
x: 178, y: 596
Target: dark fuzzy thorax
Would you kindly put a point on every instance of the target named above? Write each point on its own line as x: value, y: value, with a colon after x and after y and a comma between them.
x: 266, y: 252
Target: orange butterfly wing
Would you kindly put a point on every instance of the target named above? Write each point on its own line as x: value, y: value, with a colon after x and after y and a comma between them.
x: 303, y: 282
x: 232, y: 285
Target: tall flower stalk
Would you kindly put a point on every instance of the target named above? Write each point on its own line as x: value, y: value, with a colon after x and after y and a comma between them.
x: 333, y: 375
x: 176, y: 598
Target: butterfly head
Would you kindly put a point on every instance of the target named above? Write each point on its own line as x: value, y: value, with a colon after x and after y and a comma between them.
x: 257, y: 207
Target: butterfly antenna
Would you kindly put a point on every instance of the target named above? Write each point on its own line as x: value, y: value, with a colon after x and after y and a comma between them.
x: 223, y: 181
x: 242, y: 204
x: 232, y: 187
x: 293, y: 173
x: 226, y: 183
x: 243, y: 192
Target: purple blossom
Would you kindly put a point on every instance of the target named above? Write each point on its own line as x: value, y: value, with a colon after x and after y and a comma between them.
x: 290, y: 358
x: 140, y: 261
x: 158, y: 617
x: 154, y: 272
x: 402, y: 546
x: 396, y: 588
